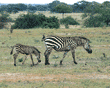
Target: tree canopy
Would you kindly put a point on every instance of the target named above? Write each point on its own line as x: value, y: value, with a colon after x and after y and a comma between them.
x: 76, y: 7
x: 63, y: 8
x: 98, y: 14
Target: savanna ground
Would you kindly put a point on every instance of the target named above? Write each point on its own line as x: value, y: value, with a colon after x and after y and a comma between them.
x: 92, y: 70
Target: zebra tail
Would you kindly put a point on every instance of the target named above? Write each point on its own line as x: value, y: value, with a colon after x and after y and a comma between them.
x: 12, y: 50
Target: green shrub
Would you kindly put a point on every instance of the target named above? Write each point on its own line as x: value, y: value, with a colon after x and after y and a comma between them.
x: 69, y: 20
x: 3, y: 19
x: 20, y: 60
x: 84, y: 15
x: 31, y: 20
x: 94, y: 21
x: 51, y: 22
x: 66, y: 26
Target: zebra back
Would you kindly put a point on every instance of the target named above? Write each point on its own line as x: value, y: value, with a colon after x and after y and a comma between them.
x: 63, y: 42
x: 54, y: 41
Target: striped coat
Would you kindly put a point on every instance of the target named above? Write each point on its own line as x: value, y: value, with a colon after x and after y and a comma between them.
x: 65, y: 44
x: 24, y: 49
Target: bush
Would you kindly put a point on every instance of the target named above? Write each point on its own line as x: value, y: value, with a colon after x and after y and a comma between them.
x: 84, y: 15
x: 94, y: 21
x: 69, y: 20
x: 3, y: 19
x: 66, y: 26
x: 51, y: 22
x: 31, y: 20
x: 20, y: 60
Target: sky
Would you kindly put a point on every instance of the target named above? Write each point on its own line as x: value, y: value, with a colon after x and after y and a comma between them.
x: 44, y: 1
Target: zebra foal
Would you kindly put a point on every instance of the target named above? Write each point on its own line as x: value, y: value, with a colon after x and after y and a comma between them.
x: 24, y: 49
x: 65, y: 44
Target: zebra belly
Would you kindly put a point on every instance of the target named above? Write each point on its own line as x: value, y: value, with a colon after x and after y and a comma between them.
x: 62, y: 49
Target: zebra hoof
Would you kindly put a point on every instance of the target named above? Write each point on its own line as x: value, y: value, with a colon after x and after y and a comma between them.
x: 32, y: 65
x: 60, y: 62
x: 39, y: 60
x: 14, y: 64
x: 47, y: 63
x: 75, y: 62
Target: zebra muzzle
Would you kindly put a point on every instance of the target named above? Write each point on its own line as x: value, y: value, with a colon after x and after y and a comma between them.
x: 89, y: 51
x: 39, y: 60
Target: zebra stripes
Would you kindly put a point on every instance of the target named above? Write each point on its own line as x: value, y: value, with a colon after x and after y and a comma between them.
x: 60, y: 43
x: 24, y: 49
x: 19, y: 48
x: 55, y: 42
x: 65, y: 44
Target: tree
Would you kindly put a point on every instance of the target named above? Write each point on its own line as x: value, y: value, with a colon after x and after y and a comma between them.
x: 63, y: 8
x: 4, y: 18
x: 3, y: 8
x: 30, y: 7
x: 98, y: 14
x: 80, y: 6
x: 93, y: 8
x: 41, y: 7
x: 12, y: 8
x: 53, y: 4
x: 21, y: 6
x: 105, y: 13
x: 106, y: 3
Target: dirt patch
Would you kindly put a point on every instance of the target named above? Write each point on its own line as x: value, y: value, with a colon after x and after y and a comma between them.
x: 14, y: 77
x: 70, y: 26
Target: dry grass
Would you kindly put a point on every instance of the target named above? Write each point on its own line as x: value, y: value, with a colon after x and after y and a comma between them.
x: 96, y: 72
x: 76, y: 16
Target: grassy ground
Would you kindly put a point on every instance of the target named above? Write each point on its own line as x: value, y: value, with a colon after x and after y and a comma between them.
x: 95, y: 74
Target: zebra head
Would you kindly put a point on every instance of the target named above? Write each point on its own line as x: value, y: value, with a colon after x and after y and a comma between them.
x: 36, y: 52
x: 87, y: 47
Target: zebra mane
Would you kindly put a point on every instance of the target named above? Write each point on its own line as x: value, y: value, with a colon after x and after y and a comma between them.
x: 73, y: 37
x: 80, y: 37
x: 84, y: 38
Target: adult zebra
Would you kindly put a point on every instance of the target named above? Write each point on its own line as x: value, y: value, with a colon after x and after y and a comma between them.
x: 65, y: 44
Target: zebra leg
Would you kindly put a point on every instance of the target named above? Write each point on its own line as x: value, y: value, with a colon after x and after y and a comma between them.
x: 63, y: 57
x: 32, y: 60
x: 47, y: 53
x: 15, y: 56
x: 73, y: 55
x: 24, y: 59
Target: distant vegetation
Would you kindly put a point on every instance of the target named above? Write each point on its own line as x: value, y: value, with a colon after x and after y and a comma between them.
x: 4, y: 18
x: 98, y: 15
x: 76, y: 7
x: 32, y: 20
x: 68, y: 20
x: 95, y: 14
x: 62, y: 8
